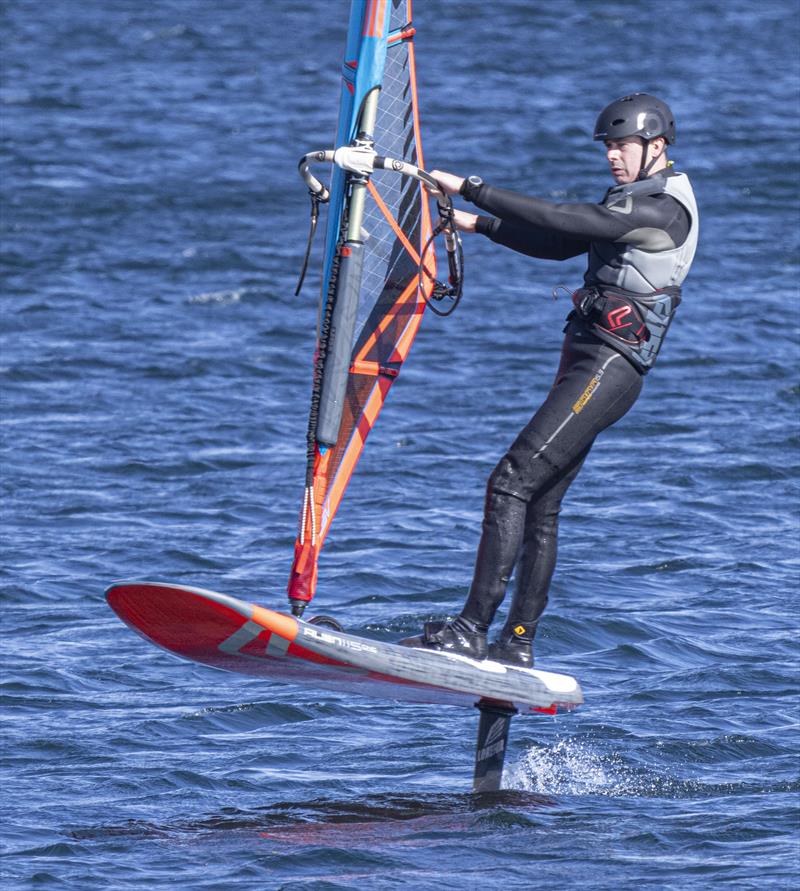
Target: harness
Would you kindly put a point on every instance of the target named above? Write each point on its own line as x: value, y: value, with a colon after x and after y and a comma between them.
x: 634, y: 324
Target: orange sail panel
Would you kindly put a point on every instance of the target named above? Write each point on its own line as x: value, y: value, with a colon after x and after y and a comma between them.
x: 391, y: 295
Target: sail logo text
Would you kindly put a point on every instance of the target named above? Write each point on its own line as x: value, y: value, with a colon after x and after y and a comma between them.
x: 325, y: 637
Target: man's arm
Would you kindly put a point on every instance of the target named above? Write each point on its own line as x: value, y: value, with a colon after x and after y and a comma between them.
x: 544, y: 244
x: 653, y: 222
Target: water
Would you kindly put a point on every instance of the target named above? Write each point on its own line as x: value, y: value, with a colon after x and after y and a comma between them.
x: 155, y: 370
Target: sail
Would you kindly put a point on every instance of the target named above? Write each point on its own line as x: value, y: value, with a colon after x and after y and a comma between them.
x: 375, y: 282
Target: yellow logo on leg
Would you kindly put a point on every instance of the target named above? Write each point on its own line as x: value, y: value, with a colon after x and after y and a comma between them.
x: 587, y: 393
x: 520, y: 630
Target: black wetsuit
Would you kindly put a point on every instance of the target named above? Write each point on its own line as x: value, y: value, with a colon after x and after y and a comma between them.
x: 594, y: 387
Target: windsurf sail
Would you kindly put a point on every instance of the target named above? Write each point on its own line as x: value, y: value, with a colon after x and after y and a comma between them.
x: 379, y: 267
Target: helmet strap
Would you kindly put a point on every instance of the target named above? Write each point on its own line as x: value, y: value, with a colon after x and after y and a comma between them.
x: 644, y: 170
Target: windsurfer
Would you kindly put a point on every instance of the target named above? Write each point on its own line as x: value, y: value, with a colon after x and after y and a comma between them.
x: 640, y: 240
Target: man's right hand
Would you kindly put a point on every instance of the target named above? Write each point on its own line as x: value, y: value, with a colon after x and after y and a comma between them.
x: 464, y: 221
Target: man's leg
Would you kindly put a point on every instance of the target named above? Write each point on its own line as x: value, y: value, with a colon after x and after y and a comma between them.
x: 535, y: 569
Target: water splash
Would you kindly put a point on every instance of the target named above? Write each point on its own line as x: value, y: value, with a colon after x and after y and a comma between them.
x: 569, y: 767
x: 575, y: 767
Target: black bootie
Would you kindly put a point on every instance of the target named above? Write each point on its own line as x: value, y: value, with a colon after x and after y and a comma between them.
x: 459, y: 635
x: 514, y: 646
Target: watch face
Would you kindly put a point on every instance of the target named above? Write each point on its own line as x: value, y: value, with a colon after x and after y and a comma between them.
x: 475, y: 181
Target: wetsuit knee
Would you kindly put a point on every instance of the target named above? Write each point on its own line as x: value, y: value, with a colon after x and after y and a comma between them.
x: 504, y: 481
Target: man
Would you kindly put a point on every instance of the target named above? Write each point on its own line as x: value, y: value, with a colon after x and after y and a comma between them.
x: 640, y: 242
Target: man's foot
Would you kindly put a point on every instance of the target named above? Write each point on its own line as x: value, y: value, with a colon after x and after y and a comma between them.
x: 457, y: 636
x: 514, y: 647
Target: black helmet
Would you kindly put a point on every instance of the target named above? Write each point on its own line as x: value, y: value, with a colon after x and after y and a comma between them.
x: 636, y: 115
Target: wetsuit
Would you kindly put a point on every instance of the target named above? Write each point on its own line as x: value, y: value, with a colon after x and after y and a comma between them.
x: 639, y: 239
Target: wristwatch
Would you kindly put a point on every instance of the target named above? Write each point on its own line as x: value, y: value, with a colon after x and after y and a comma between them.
x: 469, y: 187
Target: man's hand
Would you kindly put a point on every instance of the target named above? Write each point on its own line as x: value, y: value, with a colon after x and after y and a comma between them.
x: 448, y: 182
x: 464, y: 221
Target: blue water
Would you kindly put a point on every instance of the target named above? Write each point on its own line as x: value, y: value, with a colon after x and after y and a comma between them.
x: 155, y: 374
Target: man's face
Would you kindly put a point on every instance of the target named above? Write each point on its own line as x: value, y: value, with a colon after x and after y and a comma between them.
x: 624, y: 158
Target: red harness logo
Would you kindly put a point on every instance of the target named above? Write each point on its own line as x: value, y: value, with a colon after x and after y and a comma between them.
x: 616, y: 317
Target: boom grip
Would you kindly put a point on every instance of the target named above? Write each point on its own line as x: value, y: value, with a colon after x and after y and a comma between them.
x: 340, y: 344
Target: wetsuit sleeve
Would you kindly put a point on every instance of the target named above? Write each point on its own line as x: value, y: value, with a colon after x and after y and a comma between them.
x: 544, y: 244
x: 651, y: 222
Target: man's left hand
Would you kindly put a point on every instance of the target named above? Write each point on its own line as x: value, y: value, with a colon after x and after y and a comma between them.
x: 449, y: 183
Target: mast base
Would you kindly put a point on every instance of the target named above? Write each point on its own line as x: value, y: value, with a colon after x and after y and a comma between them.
x: 298, y: 606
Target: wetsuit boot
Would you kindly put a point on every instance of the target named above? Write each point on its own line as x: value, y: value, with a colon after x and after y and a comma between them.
x: 514, y: 646
x: 456, y: 636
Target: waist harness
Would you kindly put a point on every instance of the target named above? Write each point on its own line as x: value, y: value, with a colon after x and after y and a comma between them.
x: 634, y: 324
